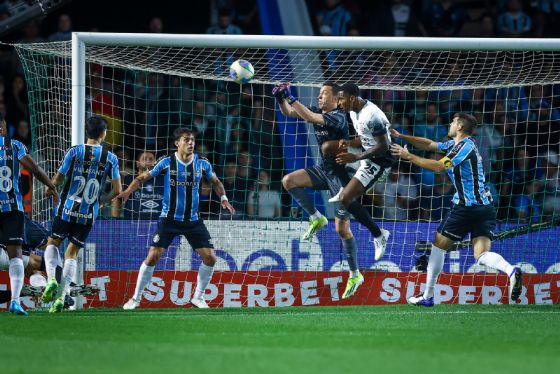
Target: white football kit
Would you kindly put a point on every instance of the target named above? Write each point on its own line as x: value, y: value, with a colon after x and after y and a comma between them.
x: 369, y: 123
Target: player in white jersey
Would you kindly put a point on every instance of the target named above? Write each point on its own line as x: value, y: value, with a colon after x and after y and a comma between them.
x: 372, y: 127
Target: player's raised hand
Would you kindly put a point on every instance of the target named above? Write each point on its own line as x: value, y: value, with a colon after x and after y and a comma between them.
x: 288, y: 94
x: 124, y: 195
x: 395, y: 133
x: 278, y: 92
x: 399, y: 151
x: 228, y: 206
x: 345, y: 158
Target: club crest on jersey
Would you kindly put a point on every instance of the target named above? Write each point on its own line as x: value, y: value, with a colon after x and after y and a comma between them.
x: 156, y: 238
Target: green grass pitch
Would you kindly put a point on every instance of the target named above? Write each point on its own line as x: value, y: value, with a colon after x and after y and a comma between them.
x: 379, y: 339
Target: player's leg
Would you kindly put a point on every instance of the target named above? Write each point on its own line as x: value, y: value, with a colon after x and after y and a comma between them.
x: 12, y: 236
x: 145, y: 274
x: 77, y: 236
x: 366, y: 176
x: 199, y: 238
x: 295, y: 184
x: 204, y: 276
x: 164, y: 235
x: 59, y: 232
x: 355, y: 279
x: 482, y: 235
x: 452, y: 228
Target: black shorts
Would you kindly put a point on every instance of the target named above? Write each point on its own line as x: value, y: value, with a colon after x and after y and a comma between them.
x: 12, y: 227
x: 325, y: 180
x: 478, y: 220
x: 195, y: 232
x: 75, y: 232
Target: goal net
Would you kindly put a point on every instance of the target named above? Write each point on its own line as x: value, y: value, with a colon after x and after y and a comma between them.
x: 147, y: 86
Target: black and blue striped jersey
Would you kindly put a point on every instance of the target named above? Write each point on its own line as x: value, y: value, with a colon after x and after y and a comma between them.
x: 11, y: 151
x: 86, y: 168
x: 181, y: 185
x: 464, y: 167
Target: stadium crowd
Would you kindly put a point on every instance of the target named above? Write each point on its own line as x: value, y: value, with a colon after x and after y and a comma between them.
x: 518, y: 133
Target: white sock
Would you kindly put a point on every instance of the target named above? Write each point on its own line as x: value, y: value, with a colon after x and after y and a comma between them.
x: 316, y: 215
x: 202, y: 280
x: 495, y: 261
x: 52, y: 258
x: 68, y: 274
x: 435, y: 266
x: 16, y: 277
x: 144, y: 276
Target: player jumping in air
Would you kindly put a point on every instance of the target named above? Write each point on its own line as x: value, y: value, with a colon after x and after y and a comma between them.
x: 372, y: 127
x: 472, y: 211
x: 183, y: 171
x: 329, y: 123
x: 12, y: 154
x: 83, y: 171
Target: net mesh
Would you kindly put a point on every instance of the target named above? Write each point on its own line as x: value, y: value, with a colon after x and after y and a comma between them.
x: 147, y: 92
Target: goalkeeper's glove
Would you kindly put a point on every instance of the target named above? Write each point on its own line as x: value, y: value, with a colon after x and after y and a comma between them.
x: 288, y: 94
x: 278, y: 92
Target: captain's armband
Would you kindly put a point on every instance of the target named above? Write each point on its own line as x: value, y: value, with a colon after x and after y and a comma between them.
x: 446, y: 161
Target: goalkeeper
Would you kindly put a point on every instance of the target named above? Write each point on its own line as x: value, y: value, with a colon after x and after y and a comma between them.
x: 472, y: 211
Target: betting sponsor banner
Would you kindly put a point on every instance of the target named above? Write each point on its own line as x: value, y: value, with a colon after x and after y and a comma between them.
x: 169, y: 289
x: 278, y: 289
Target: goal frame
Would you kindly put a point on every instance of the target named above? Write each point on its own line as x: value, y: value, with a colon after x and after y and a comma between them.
x: 80, y: 41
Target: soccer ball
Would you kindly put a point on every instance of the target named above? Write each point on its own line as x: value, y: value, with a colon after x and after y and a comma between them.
x: 241, y: 71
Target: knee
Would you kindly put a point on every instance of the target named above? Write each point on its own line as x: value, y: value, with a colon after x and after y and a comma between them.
x: 153, y: 256
x: 210, y: 259
x: 479, y: 253
x: 345, y: 199
x: 287, y: 182
x: 344, y: 234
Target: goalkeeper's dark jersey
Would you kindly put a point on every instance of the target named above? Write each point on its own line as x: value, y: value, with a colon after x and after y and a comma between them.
x: 335, y: 128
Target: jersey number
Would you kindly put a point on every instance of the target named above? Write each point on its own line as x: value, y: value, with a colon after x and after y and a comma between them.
x: 6, y: 182
x: 90, y: 190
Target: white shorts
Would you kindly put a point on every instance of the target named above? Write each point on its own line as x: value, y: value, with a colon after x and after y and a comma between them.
x: 369, y: 173
x: 5, y: 260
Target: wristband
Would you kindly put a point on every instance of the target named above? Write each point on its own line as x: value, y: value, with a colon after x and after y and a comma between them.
x: 223, y: 198
x: 291, y: 99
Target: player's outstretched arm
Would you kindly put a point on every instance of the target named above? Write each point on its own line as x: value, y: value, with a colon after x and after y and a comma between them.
x: 423, y: 144
x: 40, y: 174
x: 433, y: 165
x: 116, y: 189
x: 136, y: 183
x: 220, y: 191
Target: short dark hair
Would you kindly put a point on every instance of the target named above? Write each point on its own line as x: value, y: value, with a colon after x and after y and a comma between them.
x: 335, y: 87
x: 181, y: 131
x: 468, y: 121
x: 95, y: 125
x: 351, y: 89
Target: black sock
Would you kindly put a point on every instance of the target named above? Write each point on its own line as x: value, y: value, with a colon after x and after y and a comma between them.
x: 5, y: 296
x: 58, y: 273
x: 303, y: 199
x: 363, y: 216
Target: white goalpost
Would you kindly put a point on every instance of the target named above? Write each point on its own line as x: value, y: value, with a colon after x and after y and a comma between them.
x: 148, y: 84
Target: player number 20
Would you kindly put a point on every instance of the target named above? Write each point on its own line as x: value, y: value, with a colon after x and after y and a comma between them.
x: 90, y: 190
